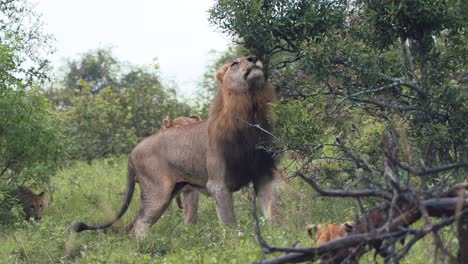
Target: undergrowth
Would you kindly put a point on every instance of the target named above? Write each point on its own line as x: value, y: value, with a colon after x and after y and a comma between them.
x: 93, y: 192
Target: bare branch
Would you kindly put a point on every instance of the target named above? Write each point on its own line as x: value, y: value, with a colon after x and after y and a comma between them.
x: 425, y: 171
x: 373, y: 90
x: 434, y: 228
x: 388, y: 106
x: 356, y: 160
x: 343, y: 193
x: 256, y: 125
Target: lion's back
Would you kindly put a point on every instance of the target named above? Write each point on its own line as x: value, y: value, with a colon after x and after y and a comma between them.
x: 179, y: 149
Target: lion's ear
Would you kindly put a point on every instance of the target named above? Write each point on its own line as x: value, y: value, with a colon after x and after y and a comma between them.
x: 220, y: 74
x: 167, y: 122
x: 311, y: 230
x: 349, y: 226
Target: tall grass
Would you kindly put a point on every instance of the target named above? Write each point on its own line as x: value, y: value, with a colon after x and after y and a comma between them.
x: 93, y: 192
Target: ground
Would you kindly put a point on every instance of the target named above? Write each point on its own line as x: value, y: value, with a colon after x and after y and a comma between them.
x: 93, y: 193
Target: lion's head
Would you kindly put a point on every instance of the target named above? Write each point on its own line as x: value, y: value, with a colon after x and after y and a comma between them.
x: 242, y: 74
x: 34, y: 205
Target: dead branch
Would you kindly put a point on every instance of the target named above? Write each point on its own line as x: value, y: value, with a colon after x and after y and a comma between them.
x: 344, y: 193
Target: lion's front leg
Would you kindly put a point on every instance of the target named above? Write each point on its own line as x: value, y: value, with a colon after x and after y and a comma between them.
x: 224, y: 203
x: 265, y: 189
x: 216, y: 187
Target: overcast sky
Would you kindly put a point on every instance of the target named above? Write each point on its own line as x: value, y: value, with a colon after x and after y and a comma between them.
x: 177, y: 33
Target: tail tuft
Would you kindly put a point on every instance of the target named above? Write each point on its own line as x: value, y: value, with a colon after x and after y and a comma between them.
x: 79, y: 226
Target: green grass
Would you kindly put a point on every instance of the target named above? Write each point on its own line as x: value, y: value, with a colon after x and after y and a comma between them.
x: 93, y: 194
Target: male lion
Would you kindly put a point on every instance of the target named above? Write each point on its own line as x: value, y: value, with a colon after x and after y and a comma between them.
x: 33, y: 204
x: 217, y: 157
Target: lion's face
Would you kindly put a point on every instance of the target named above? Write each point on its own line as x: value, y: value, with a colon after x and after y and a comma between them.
x: 242, y: 74
x: 34, y: 205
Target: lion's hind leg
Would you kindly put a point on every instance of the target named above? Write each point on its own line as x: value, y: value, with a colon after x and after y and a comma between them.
x: 191, y: 206
x: 156, y: 196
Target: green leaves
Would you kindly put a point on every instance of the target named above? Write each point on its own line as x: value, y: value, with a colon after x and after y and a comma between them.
x: 106, y: 110
x: 348, y: 71
x: 267, y: 27
x: 32, y: 146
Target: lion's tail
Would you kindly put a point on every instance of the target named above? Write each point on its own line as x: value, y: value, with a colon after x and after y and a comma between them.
x: 80, y: 226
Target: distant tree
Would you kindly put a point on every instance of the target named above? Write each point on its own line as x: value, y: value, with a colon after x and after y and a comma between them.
x: 108, y: 106
x: 24, y: 46
x: 98, y: 67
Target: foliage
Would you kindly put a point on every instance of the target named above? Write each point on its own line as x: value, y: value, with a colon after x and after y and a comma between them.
x: 30, y: 136
x: 348, y: 72
x: 397, y: 65
x: 99, y: 67
x: 31, y: 143
x: 106, y: 109
x: 270, y: 27
x: 24, y: 47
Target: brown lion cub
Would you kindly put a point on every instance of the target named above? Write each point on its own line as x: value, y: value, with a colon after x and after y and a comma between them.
x: 33, y: 204
x: 179, y: 121
x: 328, y: 232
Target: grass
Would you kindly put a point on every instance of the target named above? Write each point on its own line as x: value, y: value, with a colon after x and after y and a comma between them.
x: 93, y: 193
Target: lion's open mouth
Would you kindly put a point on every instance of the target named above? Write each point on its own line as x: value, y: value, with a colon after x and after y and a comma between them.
x: 249, y: 70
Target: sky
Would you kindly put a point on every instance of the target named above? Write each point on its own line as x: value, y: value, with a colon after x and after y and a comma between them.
x: 176, y: 32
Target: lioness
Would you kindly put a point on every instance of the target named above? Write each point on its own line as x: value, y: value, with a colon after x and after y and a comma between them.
x: 217, y: 157
x: 191, y: 196
x: 33, y: 204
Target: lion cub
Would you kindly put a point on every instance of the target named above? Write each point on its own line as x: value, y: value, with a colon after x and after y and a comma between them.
x: 33, y: 204
x: 328, y: 232
x: 179, y: 121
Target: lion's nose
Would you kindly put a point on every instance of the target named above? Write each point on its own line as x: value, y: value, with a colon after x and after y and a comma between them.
x: 252, y: 59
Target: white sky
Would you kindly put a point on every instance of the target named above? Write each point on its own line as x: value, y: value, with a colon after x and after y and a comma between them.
x: 175, y: 32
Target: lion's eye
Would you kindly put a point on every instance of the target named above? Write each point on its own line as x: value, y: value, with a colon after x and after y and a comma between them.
x: 234, y: 63
x: 40, y: 206
x: 32, y: 206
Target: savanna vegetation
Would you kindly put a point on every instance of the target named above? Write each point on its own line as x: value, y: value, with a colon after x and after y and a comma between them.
x: 371, y: 113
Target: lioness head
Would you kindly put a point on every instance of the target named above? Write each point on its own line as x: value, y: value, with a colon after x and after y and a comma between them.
x: 242, y: 74
x: 34, y: 205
